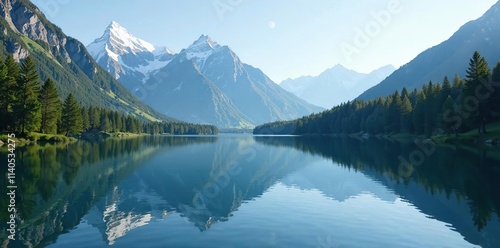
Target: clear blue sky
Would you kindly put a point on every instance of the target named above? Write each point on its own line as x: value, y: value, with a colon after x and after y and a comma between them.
x: 283, y: 38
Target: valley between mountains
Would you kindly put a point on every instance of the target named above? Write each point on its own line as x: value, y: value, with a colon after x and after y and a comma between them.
x: 203, y: 83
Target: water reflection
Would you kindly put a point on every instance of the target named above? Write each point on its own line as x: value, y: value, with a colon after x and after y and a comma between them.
x: 205, y: 184
x: 57, y: 185
x: 121, y: 186
x: 456, y: 185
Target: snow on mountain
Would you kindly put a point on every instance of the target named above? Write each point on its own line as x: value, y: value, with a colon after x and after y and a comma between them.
x: 200, y: 50
x: 335, y: 85
x: 127, y: 57
x: 117, y: 41
x: 203, y: 83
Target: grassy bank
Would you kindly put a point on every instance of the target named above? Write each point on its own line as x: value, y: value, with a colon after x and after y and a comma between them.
x: 37, y: 138
x: 492, y: 136
x: 472, y: 137
x: 40, y: 138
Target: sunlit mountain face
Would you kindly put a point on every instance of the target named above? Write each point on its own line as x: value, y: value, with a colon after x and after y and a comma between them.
x: 204, y: 83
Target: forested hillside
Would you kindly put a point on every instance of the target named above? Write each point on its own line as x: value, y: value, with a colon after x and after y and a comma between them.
x: 25, y: 107
x: 26, y: 32
x: 446, y: 107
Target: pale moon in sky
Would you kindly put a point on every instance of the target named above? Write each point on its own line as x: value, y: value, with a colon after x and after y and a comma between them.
x: 271, y: 24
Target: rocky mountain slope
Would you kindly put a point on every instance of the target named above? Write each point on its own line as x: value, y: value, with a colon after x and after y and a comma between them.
x: 204, y: 83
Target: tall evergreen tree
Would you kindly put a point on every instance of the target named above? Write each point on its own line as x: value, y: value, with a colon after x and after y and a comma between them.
x: 9, y: 90
x: 406, y: 120
x: 419, y: 114
x: 116, y: 121
x: 7, y: 85
x: 495, y: 95
x: 71, y: 119
x: 51, y: 107
x: 26, y: 107
x: 456, y: 88
x: 94, y: 118
x: 12, y: 67
x: 446, y: 89
x: 478, y: 74
x: 85, y: 119
x: 105, y: 124
x: 446, y: 120
x: 457, y: 81
x: 396, y: 113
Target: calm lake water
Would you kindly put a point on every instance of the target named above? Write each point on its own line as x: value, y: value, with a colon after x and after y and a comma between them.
x: 245, y: 191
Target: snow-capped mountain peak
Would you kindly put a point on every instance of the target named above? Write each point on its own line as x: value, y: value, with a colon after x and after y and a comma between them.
x: 162, y: 50
x: 200, y: 50
x: 204, y: 42
x: 203, y: 83
x: 117, y: 41
x: 122, y: 36
x: 122, y: 53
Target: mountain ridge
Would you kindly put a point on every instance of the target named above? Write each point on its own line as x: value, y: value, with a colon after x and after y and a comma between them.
x: 115, y: 47
x: 26, y: 31
x: 237, y: 94
x: 335, y: 85
x: 447, y: 58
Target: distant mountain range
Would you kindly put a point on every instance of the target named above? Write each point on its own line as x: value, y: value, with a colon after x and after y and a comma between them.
x: 448, y: 58
x: 204, y: 83
x: 26, y: 31
x: 335, y: 85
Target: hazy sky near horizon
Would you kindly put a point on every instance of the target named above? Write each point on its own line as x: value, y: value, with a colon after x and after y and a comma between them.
x: 286, y: 39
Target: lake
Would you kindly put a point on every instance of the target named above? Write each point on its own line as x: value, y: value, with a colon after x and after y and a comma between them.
x: 246, y: 191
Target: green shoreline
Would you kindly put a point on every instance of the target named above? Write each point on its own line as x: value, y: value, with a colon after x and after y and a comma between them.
x: 491, y: 138
x: 57, y: 139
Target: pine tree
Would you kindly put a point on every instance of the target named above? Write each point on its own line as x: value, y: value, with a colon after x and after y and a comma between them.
x: 94, y: 118
x: 26, y: 107
x: 447, y: 119
x: 7, y: 93
x: 430, y: 108
x: 456, y: 88
x: 404, y: 93
x: 457, y: 82
x: 388, y: 115
x: 105, y: 125
x: 419, y: 114
x: 446, y: 89
x: 406, y: 120
x: 116, y: 121
x: 395, y: 112
x: 12, y: 67
x: 495, y: 95
x: 7, y: 85
x: 51, y: 107
x: 71, y: 119
x: 85, y: 119
x: 478, y: 75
